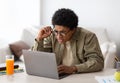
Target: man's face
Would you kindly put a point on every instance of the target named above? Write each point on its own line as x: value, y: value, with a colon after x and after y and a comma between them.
x: 62, y: 33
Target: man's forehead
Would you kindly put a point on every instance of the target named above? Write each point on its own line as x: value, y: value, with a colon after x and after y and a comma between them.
x: 61, y: 28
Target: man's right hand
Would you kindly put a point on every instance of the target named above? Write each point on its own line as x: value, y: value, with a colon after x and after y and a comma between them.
x: 44, y: 32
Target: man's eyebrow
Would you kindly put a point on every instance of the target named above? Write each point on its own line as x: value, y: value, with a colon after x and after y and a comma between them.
x: 59, y: 31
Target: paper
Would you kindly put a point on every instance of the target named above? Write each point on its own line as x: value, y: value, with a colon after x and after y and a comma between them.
x: 106, y: 79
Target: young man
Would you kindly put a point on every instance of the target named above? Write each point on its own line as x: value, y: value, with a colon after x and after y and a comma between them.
x: 77, y: 50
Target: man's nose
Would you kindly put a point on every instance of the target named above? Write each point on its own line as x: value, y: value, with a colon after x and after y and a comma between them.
x: 59, y: 35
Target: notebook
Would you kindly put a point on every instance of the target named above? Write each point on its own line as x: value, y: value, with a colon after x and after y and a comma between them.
x: 16, y: 69
x: 41, y: 64
x: 3, y: 66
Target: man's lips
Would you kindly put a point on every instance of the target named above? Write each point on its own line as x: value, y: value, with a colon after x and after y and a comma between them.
x: 60, y: 40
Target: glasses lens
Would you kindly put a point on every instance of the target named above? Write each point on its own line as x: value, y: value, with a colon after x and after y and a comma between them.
x: 62, y: 33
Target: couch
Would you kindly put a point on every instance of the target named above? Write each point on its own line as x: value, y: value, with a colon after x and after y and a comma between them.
x: 26, y: 41
x: 108, y: 47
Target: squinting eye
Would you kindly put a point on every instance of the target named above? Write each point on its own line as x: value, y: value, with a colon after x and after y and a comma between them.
x: 59, y: 32
x: 62, y: 32
x: 56, y: 31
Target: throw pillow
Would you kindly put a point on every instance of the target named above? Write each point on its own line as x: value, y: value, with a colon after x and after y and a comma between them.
x: 17, y: 47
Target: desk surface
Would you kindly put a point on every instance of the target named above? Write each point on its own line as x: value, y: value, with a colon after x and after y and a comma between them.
x: 75, y: 78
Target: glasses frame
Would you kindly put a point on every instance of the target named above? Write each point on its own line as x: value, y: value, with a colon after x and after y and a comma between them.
x: 62, y: 33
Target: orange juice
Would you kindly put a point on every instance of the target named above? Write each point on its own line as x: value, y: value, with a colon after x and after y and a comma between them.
x: 9, y: 66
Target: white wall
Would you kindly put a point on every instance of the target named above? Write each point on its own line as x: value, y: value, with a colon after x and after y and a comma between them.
x: 16, y: 15
x: 91, y: 13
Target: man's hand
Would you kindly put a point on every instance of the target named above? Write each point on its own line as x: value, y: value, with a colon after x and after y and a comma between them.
x: 66, y: 69
x: 44, y: 32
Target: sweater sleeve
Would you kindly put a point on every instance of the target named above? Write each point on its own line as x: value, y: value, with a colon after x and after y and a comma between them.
x: 43, y: 45
x: 93, y: 58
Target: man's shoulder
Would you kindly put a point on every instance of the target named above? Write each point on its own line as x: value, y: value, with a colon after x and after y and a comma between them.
x: 82, y: 31
x: 81, y: 34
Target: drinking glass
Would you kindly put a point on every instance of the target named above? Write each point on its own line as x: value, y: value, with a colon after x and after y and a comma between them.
x: 9, y: 64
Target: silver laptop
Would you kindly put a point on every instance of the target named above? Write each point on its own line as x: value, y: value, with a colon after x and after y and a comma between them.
x: 41, y: 64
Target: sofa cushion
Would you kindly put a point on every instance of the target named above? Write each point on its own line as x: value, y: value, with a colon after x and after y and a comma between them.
x: 28, y: 35
x: 17, y: 47
x: 101, y: 34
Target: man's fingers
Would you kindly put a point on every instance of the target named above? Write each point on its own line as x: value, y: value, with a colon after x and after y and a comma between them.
x: 60, y: 68
x: 61, y: 72
x: 47, y: 29
x: 65, y: 69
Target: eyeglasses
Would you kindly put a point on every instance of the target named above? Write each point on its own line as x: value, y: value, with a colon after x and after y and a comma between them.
x: 62, y: 33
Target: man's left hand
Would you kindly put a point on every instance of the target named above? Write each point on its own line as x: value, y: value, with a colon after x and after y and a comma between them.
x: 66, y: 69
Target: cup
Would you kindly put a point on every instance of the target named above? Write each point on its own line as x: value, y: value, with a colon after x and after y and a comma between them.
x: 118, y: 65
x: 9, y: 64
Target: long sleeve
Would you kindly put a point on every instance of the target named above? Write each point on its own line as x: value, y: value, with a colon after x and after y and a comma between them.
x: 92, y: 55
x: 42, y: 45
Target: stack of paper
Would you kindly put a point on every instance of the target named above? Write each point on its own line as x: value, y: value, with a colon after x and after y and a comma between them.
x: 3, y: 69
x: 106, y: 79
x: 15, y: 71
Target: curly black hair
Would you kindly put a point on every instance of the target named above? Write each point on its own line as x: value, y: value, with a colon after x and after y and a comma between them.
x: 65, y: 17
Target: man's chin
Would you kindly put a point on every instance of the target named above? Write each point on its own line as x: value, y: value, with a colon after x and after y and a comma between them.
x: 61, y: 42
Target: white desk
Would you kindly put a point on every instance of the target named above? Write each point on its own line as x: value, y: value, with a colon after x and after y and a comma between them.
x: 76, y: 78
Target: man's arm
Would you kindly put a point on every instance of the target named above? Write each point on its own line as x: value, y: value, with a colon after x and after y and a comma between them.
x: 43, y: 41
x: 92, y: 54
x: 42, y: 45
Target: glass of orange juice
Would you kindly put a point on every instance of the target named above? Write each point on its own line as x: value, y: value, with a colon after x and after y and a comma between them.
x: 9, y: 64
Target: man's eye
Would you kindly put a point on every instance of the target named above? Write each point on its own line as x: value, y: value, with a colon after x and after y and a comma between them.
x: 56, y: 31
x: 62, y: 31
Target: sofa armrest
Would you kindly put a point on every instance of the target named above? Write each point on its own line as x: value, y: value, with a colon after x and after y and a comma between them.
x: 3, y: 52
x: 110, y: 56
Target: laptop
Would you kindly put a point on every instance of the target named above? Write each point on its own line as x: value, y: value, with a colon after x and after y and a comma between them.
x: 41, y: 64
